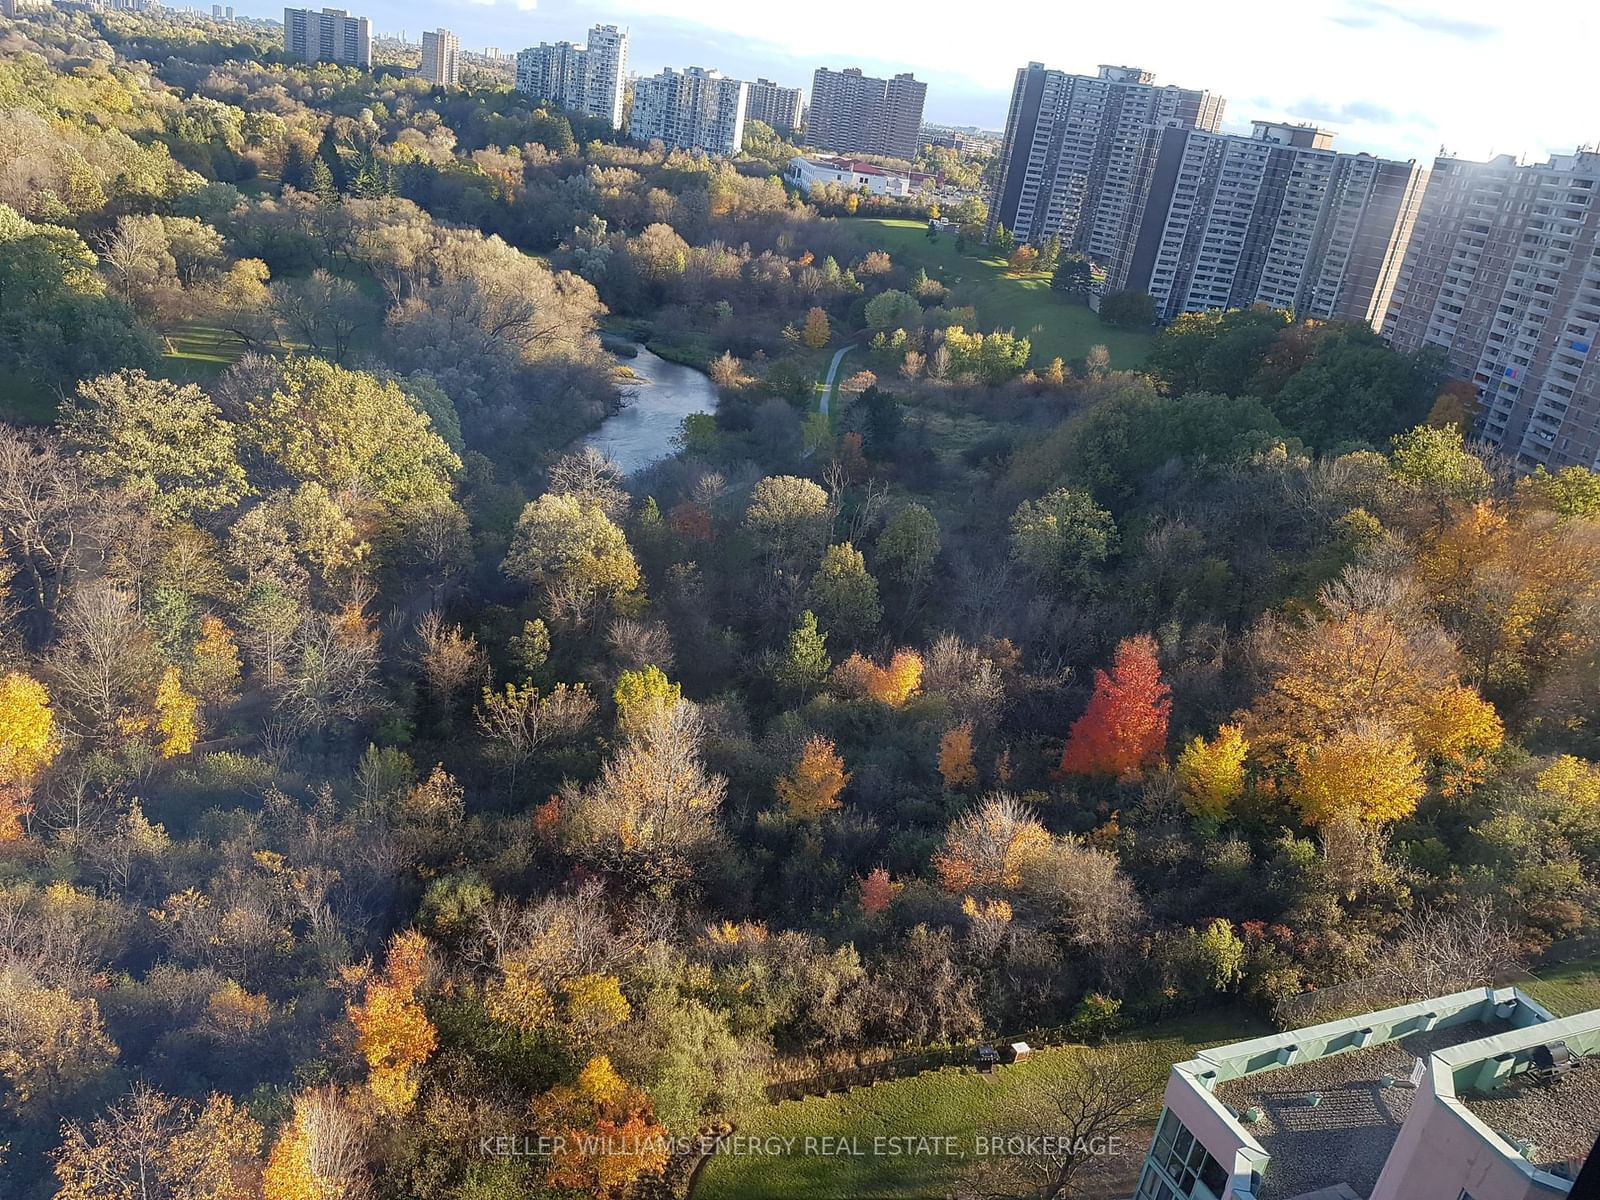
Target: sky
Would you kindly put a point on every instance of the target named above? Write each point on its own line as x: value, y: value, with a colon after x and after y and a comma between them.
x: 1400, y: 79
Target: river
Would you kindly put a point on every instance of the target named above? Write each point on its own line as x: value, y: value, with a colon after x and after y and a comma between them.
x: 641, y: 433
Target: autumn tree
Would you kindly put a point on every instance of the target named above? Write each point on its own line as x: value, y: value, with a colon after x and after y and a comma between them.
x: 1022, y: 259
x: 450, y: 659
x: 574, y: 553
x: 816, y: 332
x: 813, y: 787
x: 1370, y: 662
x: 1212, y: 773
x: 787, y: 517
x: 592, y: 1005
x: 878, y: 891
x: 605, y: 1131
x: 894, y: 684
x: 321, y: 1151
x: 654, y: 807
x: 897, y: 682
x: 1124, y: 729
x: 52, y: 1043
x: 177, y: 716
x: 151, y: 1146
x: 955, y: 757
x: 392, y: 1030
x: 213, y: 671
x: 987, y: 846
x: 28, y: 744
x: 643, y: 696
x: 1366, y: 770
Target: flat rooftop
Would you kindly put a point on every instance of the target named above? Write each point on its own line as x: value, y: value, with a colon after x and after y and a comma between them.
x: 1561, y: 1118
x: 1348, y: 1135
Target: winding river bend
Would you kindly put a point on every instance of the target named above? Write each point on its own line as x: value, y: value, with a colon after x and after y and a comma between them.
x: 641, y: 433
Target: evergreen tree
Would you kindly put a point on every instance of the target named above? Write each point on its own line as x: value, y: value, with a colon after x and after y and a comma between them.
x: 328, y: 152
x: 296, y: 168
x: 321, y: 182
x: 805, y: 663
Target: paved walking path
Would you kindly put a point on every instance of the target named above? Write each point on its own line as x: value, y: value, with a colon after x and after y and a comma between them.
x: 833, y: 370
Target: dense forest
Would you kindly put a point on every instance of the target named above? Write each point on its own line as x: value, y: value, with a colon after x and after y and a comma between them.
x: 378, y: 773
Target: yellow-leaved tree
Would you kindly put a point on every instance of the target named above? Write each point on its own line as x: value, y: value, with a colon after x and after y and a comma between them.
x: 594, y: 1006
x: 392, y: 1030
x: 813, y: 787
x: 1367, y: 771
x: 1211, y: 773
x: 893, y: 685
x: 1367, y: 696
x: 320, y: 1153
x: 642, y: 696
x: 177, y: 715
x: 816, y: 332
x: 28, y: 744
x: 214, y: 661
x: 955, y: 757
x: 986, y: 847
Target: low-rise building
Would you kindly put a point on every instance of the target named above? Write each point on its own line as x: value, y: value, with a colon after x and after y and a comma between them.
x: 854, y: 175
x: 1480, y: 1095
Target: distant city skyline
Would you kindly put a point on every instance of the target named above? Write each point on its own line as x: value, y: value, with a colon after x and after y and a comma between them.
x: 1398, y: 79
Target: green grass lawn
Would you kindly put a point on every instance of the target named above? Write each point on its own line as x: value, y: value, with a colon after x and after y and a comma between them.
x: 1567, y: 989
x: 1056, y: 325
x: 951, y: 1103
x: 197, y: 353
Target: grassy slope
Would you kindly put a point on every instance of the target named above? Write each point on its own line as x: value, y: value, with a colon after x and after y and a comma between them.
x: 1056, y: 325
x: 948, y: 1103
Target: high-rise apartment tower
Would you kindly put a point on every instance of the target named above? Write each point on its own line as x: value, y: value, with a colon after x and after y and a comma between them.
x: 441, y: 58
x: 331, y: 35
x: 859, y: 114
x: 692, y: 109
x: 1277, y: 218
x: 774, y: 104
x: 587, y: 79
x: 1502, y: 274
x: 1078, y: 151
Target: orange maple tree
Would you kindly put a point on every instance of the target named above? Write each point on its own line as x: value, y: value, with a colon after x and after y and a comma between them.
x: 817, y: 779
x: 603, y: 1130
x: 1124, y: 729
